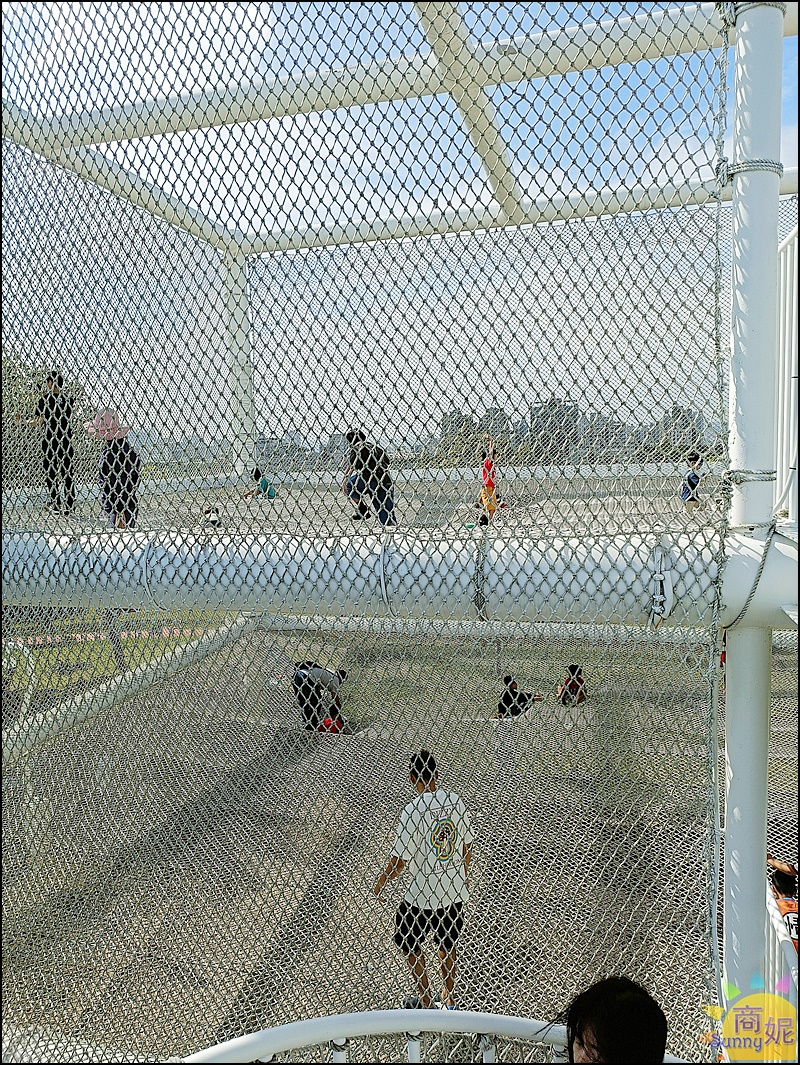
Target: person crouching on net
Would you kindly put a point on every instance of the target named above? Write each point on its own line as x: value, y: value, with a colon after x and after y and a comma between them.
x: 572, y: 689
x: 318, y: 694
x: 434, y: 838
x: 513, y: 702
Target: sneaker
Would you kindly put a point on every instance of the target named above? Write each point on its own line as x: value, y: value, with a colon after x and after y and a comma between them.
x: 412, y: 1002
x: 358, y: 517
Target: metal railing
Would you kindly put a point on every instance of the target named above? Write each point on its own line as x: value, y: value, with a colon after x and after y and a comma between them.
x: 337, y: 1031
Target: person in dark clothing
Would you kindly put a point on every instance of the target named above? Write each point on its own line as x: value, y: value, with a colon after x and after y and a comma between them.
x: 572, y: 690
x: 368, y: 479
x: 513, y: 702
x: 54, y: 413
x: 318, y: 694
x: 118, y: 470
x: 615, y: 1019
x: 691, y: 482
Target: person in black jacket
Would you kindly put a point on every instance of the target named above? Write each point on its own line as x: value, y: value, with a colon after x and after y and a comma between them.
x: 54, y: 413
x: 367, y: 479
x: 513, y: 702
x: 118, y: 470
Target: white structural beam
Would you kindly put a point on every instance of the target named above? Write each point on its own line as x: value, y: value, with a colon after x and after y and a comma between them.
x: 240, y: 363
x: 786, y: 399
x: 592, y: 581
x: 558, y: 207
x: 758, y: 62
x: 448, y: 36
x: 93, y: 166
x: 647, y: 36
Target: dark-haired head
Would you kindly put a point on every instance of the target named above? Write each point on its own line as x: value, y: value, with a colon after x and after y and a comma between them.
x: 55, y: 378
x: 355, y: 436
x: 423, y: 767
x: 784, y: 883
x: 574, y: 670
x: 341, y: 674
x: 508, y: 680
x: 693, y: 458
x: 615, y: 1020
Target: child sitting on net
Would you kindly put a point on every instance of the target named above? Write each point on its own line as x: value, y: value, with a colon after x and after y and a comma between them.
x: 513, y: 702
x: 263, y: 490
x: 572, y: 689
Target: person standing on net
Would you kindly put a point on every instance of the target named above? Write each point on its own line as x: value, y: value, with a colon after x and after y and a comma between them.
x: 368, y: 479
x: 119, y: 469
x: 434, y: 838
x: 54, y: 413
x: 488, y: 499
x: 691, y: 482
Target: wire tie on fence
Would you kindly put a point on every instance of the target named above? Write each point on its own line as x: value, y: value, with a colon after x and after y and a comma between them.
x: 745, y: 476
x: 726, y: 171
x: 740, y: 9
x: 761, y: 565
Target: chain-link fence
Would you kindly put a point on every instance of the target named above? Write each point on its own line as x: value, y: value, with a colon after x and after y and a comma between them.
x: 233, y: 235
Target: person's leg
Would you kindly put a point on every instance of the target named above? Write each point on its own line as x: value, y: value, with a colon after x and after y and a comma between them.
x: 68, y: 476
x: 51, y: 475
x: 355, y: 488
x: 446, y: 924
x: 301, y: 686
x: 447, y: 959
x: 419, y: 970
x: 410, y: 929
x: 383, y: 500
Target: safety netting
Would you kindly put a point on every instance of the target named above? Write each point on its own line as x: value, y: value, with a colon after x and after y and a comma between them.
x: 488, y: 240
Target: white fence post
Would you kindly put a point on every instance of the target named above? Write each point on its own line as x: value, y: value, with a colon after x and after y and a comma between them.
x: 756, y: 150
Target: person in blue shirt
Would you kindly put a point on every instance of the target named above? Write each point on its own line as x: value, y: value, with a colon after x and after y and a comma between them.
x: 691, y: 481
x: 263, y: 489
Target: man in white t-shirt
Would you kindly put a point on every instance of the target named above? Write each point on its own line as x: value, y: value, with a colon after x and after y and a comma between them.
x: 434, y: 837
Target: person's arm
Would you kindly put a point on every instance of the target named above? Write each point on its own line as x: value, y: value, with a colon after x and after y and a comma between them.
x: 393, y: 869
x: 467, y: 852
x: 781, y: 866
x: 28, y: 421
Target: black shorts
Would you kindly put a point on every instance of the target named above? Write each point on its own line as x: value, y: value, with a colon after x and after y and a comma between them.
x: 411, y: 926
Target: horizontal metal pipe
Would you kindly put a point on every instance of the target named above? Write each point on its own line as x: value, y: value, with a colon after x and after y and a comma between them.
x: 595, y: 203
x: 606, y: 580
x: 647, y: 36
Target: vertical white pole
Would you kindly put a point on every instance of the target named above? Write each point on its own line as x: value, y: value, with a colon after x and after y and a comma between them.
x: 240, y: 367
x: 757, y: 117
x: 748, y: 668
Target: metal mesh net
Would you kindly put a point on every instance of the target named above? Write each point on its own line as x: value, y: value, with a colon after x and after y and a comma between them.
x: 241, y: 231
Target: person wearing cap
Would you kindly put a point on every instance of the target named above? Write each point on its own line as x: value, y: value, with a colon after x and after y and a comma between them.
x: 513, y: 702
x: 54, y: 413
x: 118, y: 469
